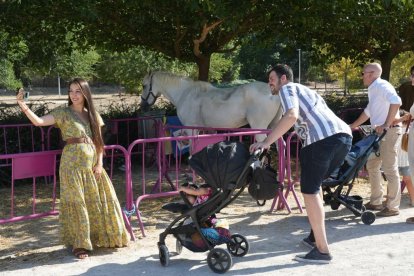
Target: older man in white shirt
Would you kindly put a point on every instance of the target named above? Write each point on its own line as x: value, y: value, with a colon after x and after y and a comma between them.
x: 382, y: 110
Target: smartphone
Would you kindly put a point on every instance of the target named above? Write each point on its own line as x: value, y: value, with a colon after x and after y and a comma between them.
x: 25, y: 93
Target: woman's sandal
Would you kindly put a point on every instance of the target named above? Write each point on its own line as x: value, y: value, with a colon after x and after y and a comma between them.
x: 410, y: 220
x: 80, y: 253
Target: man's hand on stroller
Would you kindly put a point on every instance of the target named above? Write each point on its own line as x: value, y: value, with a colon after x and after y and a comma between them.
x: 380, y: 129
x: 258, y: 146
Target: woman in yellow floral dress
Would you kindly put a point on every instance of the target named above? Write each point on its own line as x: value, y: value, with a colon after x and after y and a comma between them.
x: 90, y: 214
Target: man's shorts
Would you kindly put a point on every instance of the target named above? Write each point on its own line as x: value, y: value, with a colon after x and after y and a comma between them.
x: 319, y: 159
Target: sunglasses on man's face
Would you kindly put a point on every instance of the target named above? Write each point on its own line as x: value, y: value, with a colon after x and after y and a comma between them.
x: 363, y: 73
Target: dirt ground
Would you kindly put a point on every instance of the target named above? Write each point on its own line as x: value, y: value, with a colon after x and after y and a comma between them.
x: 385, y: 247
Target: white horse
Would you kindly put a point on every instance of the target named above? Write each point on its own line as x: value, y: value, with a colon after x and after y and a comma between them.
x: 199, y: 103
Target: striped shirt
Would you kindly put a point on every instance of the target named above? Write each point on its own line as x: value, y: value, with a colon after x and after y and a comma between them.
x: 316, y: 121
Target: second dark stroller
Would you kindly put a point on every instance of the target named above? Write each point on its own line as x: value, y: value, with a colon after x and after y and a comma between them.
x: 337, y: 188
x: 225, y: 167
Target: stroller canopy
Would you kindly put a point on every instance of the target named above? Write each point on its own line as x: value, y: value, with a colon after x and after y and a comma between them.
x: 221, y: 164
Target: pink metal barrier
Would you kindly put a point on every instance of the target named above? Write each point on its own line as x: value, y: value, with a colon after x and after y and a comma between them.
x: 18, y: 138
x: 38, y: 164
x: 125, y: 131
x: 111, y: 152
x: 293, y: 179
x: 163, y: 173
x: 35, y: 165
x: 118, y: 131
x: 159, y: 177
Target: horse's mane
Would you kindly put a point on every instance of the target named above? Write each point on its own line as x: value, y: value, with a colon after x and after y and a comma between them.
x: 175, y: 80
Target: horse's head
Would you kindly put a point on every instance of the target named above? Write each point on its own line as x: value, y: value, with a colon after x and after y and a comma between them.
x: 148, y: 97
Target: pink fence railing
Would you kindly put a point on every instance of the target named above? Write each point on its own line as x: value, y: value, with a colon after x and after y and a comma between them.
x: 29, y: 165
x: 293, y: 146
x: 40, y: 166
x: 150, y: 171
x: 18, y: 138
x: 164, y: 179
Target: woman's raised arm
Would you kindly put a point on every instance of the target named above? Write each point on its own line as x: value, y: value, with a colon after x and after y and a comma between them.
x: 46, y: 120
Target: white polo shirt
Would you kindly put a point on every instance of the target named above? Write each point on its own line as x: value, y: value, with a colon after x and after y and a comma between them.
x: 381, y: 94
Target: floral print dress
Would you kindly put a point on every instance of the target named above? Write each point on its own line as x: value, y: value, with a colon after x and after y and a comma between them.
x: 90, y: 214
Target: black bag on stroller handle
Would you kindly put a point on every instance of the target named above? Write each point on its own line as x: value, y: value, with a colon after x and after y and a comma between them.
x: 263, y: 183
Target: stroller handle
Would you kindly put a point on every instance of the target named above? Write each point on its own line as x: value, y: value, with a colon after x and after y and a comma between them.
x: 382, y: 134
x: 259, y: 152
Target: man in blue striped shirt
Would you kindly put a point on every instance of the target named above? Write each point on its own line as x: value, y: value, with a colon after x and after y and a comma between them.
x: 326, y: 141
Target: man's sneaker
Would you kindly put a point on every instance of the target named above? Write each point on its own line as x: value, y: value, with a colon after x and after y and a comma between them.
x: 314, y: 256
x: 410, y: 220
x: 373, y: 207
x: 387, y: 213
x: 308, y: 243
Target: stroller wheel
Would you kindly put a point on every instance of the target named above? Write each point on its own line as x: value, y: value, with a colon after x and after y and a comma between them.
x: 368, y: 217
x: 261, y: 203
x: 219, y: 260
x: 164, y: 255
x: 327, y: 199
x: 238, y: 245
x: 178, y: 247
x: 334, y: 204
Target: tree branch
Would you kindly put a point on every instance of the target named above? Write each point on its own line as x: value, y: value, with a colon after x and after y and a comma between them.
x: 203, y: 36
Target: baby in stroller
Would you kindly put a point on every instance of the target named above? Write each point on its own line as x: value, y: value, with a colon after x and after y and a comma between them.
x: 225, y: 167
x: 196, y: 194
x: 192, y: 195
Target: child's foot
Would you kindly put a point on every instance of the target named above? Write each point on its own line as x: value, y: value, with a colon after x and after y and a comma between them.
x: 80, y: 253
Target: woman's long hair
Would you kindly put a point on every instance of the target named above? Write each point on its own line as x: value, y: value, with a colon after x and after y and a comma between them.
x: 93, y: 119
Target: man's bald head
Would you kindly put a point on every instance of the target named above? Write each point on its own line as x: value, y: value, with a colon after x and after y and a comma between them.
x: 371, y: 72
x: 374, y: 67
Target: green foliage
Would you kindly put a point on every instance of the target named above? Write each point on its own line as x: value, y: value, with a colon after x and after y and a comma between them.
x: 254, y: 63
x: 318, y: 73
x: 12, y: 52
x: 400, y: 70
x: 178, y: 29
x: 222, y: 68
x: 77, y: 64
x: 129, y: 68
x: 7, y: 77
x: 346, y: 72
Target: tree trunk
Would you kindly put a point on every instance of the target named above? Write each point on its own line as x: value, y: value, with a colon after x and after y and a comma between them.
x: 386, y: 66
x: 203, y: 63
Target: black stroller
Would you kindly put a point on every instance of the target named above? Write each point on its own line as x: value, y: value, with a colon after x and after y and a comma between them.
x: 337, y: 187
x: 225, y: 166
